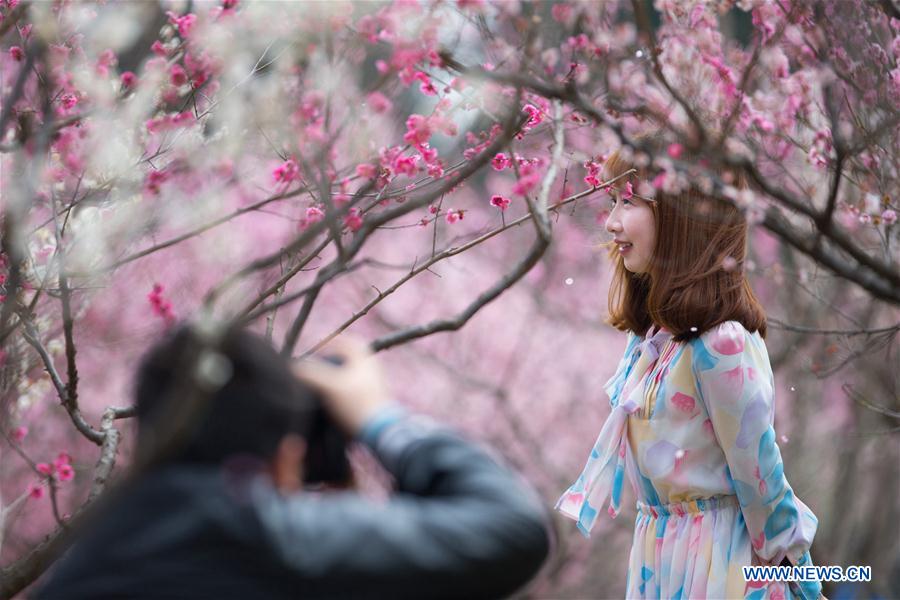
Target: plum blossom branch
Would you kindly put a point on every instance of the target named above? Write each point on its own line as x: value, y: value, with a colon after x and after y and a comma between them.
x: 543, y: 228
x: 511, y: 124
x: 879, y: 278
x: 447, y: 253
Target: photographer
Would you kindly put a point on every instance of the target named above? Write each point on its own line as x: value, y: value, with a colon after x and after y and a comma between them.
x: 228, y: 512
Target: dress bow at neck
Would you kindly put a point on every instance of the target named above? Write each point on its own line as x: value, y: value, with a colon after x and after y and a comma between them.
x: 604, y: 472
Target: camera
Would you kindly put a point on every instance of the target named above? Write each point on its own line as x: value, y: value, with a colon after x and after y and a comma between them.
x: 326, y: 461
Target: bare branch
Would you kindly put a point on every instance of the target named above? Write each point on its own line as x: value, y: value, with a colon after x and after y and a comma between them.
x: 861, y: 400
x: 32, y: 336
x: 188, y: 235
x: 847, y: 332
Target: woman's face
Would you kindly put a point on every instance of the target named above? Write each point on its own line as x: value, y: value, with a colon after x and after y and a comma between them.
x: 632, y: 224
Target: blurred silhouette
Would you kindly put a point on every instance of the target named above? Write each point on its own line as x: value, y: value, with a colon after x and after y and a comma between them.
x: 242, y: 489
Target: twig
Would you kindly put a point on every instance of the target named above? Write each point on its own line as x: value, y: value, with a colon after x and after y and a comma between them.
x: 543, y: 229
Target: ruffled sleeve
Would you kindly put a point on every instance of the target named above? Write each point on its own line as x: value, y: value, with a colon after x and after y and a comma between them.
x: 736, y: 384
x: 603, y: 474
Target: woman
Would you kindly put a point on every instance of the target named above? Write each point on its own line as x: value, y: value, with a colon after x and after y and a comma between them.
x: 692, y: 407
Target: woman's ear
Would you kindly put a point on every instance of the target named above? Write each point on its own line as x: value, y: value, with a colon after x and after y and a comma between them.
x: 287, y: 464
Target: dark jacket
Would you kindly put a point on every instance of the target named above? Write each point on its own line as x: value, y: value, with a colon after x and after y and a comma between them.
x: 459, y: 526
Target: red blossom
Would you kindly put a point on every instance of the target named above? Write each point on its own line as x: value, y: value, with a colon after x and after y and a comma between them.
x: 158, y: 49
x: 160, y: 306
x: 36, y: 491
x: 128, y: 79
x: 366, y: 171
x: 418, y: 130
x: 62, y: 458
x: 155, y: 178
x: 353, y: 221
x: 453, y: 216
x: 177, y: 75
x: 499, y: 201
x: 19, y: 433
x: 65, y: 473
x: 184, y: 23
x: 286, y: 172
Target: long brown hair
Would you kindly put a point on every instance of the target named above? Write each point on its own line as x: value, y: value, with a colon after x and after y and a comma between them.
x: 695, y: 279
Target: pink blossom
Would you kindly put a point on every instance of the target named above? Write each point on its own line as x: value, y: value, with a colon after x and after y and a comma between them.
x: 155, y: 178
x: 68, y: 101
x: 500, y: 161
x: 199, y: 67
x: 436, y: 170
x: 593, y: 176
x: 406, y: 165
x: 62, y: 458
x: 44, y: 468
x: 36, y: 491
x: 353, y: 221
x: 366, y: 171
x: 65, y: 473
x: 418, y: 130
x: 454, y: 215
x: 19, y: 433
x: 177, y: 75
x: 287, y: 171
x: 106, y: 59
x: 429, y: 154
x: 16, y: 53
x: 159, y: 305
x: 535, y: 116
x: 128, y: 79
x: 526, y: 184
x: 158, y: 49
x: 474, y: 5
x: 889, y: 217
x: 378, y: 102
x: 659, y: 181
x: 500, y: 202
x: 314, y: 214
x: 184, y: 23
x: 427, y: 87
x: 675, y: 150
x: 629, y: 192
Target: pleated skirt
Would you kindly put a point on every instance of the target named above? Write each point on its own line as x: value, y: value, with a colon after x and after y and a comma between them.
x: 695, y: 550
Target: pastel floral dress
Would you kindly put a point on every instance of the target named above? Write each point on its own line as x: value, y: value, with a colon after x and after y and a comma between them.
x: 691, y: 429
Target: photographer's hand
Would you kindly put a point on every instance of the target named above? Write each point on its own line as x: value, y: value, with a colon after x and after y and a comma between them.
x: 354, y: 391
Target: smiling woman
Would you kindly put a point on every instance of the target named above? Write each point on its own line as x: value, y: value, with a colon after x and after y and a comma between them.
x: 679, y: 258
x: 692, y: 406
x: 632, y: 222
